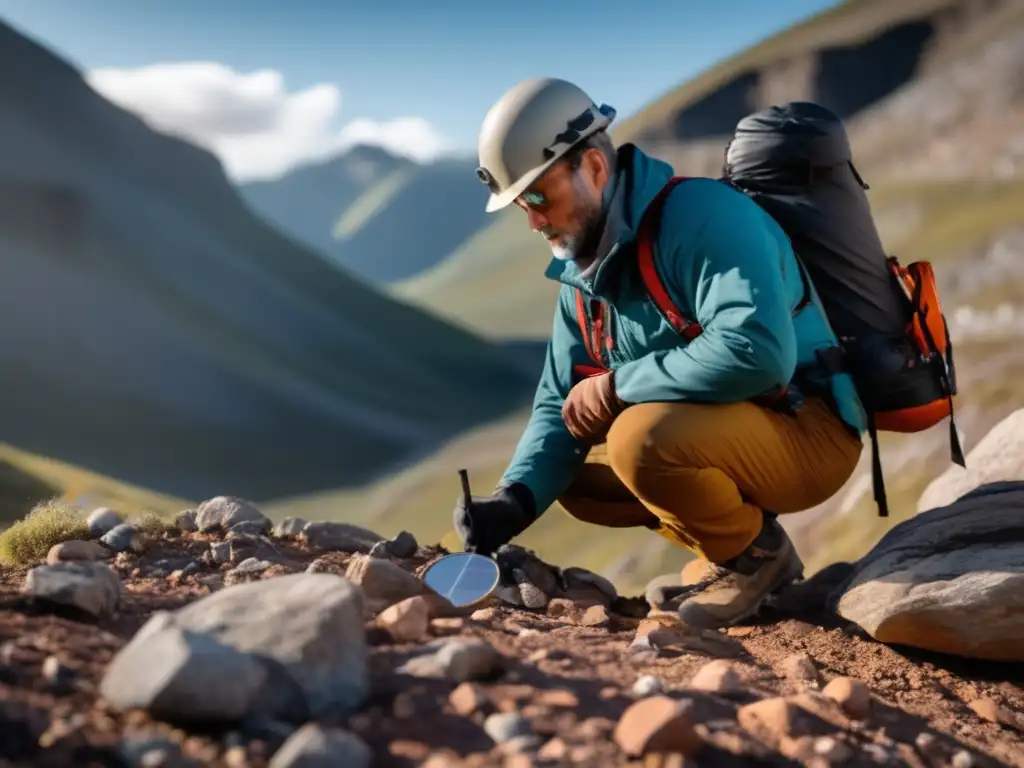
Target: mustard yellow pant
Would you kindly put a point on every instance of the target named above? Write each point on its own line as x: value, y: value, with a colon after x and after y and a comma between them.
x: 699, y: 475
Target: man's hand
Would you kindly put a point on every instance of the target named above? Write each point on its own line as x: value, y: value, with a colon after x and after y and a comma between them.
x: 591, y: 407
x: 490, y: 521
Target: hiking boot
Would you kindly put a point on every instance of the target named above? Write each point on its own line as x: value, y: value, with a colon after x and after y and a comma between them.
x: 735, y: 590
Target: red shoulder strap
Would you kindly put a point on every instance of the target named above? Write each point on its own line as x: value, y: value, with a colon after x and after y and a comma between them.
x: 645, y: 257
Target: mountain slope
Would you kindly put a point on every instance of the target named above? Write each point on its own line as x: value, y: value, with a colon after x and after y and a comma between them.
x: 381, y: 217
x: 153, y: 329
x: 926, y: 87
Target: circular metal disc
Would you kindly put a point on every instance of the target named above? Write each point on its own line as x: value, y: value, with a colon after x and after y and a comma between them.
x: 464, y: 578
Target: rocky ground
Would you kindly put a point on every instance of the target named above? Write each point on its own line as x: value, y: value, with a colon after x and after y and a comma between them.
x: 316, y: 644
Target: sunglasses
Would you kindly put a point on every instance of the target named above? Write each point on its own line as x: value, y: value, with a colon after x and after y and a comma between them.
x: 533, y: 199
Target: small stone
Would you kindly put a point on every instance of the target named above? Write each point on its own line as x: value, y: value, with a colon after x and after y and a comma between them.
x: 557, y: 697
x: 717, y: 676
x: 220, y: 552
x: 58, y: 676
x: 383, y: 582
x: 185, y: 521
x: 851, y: 694
x: 988, y: 709
x: 771, y: 720
x: 484, y: 614
x: 962, y: 759
x: 740, y: 631
x: 235, y: 757
x: 407, y: 620
x: 657, y: 724
x: 505, y: 726
x: 249, y: 528
x: 832, y: 750
x: 90, y: 587
x: 532, y: 596
x: 101, y: 520
x: 467, y: 698
x: 289, y: 527
x: 221, y: 513
x: 123, y: 538
x: 313, y: 746
x: 595, y: 616
x: 560, y: 607
x: 403, y: 546
x: 459, y: 660
x: 447, y: 623
x: 647, y: 685
x: 77, y: 551
x: 800, y: 667
x: 555, y: 750
x: 340, y: 536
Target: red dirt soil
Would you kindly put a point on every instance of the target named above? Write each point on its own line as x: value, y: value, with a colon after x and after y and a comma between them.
x: 572, y: 681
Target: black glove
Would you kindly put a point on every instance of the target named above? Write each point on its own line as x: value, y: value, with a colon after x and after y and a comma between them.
x: 491, y: 521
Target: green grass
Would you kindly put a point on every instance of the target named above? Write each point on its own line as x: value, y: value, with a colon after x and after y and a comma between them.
x: 370, y: 203
x: 49, y: 523
x: 951, y: 216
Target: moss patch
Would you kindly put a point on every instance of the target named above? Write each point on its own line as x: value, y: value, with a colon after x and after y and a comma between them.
x: 49, y: 523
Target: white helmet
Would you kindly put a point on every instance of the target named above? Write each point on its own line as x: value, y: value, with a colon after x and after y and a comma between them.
x: 528, y: 129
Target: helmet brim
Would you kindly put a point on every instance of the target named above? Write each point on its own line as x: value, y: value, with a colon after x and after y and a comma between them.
x: 502, y: 199
x: 499, y: 200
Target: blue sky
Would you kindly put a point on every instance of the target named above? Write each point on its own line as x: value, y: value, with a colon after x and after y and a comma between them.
x: 443, y: 62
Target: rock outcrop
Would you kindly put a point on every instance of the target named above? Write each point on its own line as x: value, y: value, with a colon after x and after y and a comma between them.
x: 949, y: 579
x: 997, y: 456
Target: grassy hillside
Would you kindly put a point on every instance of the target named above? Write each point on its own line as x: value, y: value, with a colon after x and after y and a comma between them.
x: 946, y: 107
x: 306, y: 202
x: 155, y: 330
x: 27, y: 479
x: 381, y: 217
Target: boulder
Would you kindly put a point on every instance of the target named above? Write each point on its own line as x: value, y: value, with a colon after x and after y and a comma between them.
x: 998, y: 456
x: 182, y: 676
x: 309, y: 626
x: 949, y: 579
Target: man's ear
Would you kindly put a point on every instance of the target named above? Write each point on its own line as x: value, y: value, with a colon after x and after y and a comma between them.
x: 595, y: 167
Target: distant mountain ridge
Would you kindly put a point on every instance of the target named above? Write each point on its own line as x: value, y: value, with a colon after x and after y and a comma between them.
x: 155, y: 330
x: 382, y: 217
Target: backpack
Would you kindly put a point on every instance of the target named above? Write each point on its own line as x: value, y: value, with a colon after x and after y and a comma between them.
x: 796, y: 163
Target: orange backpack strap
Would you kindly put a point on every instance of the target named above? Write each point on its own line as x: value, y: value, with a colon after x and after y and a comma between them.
x: 650, y: 224
x: 688, y: 329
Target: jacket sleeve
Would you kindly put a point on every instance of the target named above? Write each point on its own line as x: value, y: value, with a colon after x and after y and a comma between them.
x: 718, y: 252
x: 547, y: 457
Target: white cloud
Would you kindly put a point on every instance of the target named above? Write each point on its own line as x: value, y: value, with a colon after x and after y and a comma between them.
x: 251, y: 121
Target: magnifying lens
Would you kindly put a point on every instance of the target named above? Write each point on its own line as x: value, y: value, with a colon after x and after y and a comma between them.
x: 463, y: 578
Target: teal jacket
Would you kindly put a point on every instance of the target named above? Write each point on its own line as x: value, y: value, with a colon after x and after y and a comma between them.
x: 725, y: 263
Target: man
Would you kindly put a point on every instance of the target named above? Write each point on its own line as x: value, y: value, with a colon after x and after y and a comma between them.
x: 677, y: 435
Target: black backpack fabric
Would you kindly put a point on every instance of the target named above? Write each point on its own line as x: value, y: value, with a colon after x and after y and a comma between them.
x: 796, y: 162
